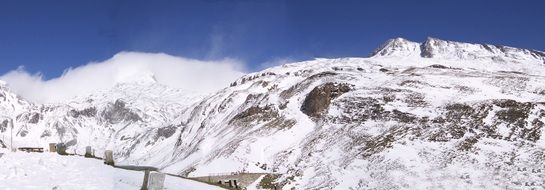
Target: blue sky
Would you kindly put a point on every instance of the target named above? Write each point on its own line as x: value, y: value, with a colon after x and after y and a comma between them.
x: 49, y: 36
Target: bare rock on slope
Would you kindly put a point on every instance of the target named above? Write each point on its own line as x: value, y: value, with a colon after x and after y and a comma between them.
x: 320, y: 97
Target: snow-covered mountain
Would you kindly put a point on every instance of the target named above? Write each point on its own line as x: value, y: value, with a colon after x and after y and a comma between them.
x: 442, y: 49
x: 138, y: 113
x: 10, y: 102
x: 438, y: 114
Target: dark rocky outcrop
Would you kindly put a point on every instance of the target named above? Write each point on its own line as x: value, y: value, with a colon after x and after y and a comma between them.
x: 255, y: 113
x: 166, y: 132
x: 22, y: 133
x: 426, y: 49
x: 359, y: 109
x: 437, y: 66
x: 521, y: 120
x: 299, y: 87
x: 467, y: 144
x: 320, y: 97
x: 87, y: 112
x: 117, y: 112
x: 460, y: 119
x: 4, y: 125
x: 30, y: 117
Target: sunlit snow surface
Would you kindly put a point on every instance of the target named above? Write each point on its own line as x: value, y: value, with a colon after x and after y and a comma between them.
x: 21, y: 171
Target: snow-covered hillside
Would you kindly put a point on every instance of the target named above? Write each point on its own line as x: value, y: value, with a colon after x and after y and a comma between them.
x: 437, y: 114
x: 382, y: 122
x: 128, y: 118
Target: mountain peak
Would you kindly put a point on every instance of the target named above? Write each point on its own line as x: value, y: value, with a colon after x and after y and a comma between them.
x: 444, y: 49
x: 398, y: 47
x: 139, y: 78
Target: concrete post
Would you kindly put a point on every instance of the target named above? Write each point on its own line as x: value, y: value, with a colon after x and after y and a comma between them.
x: 230, y: 183
x: 88, y: 152
x: 145, y: 183
x: 109, y: 157
x: 156, y: 181
x: 61, y: 149
x: 52, y: 147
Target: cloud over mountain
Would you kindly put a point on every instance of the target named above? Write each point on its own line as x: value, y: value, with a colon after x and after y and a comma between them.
x: 178, y: 72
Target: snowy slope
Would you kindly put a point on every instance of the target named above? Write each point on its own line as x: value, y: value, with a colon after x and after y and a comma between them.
x: 401, y: 117
x: 51, y: 171
x: 412, y: 116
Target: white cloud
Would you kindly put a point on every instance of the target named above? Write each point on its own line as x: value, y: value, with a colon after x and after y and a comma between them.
x: 177, y: 72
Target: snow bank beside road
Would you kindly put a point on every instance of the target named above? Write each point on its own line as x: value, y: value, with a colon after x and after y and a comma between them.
x: 51, y: 171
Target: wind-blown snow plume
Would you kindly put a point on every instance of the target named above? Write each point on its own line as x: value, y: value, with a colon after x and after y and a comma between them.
x: 177, y: 72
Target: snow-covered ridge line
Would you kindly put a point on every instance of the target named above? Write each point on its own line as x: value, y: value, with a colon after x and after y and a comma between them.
x: 437, y: 48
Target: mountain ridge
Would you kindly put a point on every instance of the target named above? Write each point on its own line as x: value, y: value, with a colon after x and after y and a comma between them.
x: 437, y: 48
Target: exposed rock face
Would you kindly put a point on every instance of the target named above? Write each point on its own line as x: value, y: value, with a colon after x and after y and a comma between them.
x: 117, y: 112
x: 4, y: 125
x: 31, y: 117
x: 251, y: 114
x: 166, y: 132
x: 320, y: 97
x: 508, y: 119
x: 87, y: 112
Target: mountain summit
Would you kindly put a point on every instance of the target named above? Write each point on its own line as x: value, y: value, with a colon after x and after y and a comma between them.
x: 437, y: 48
